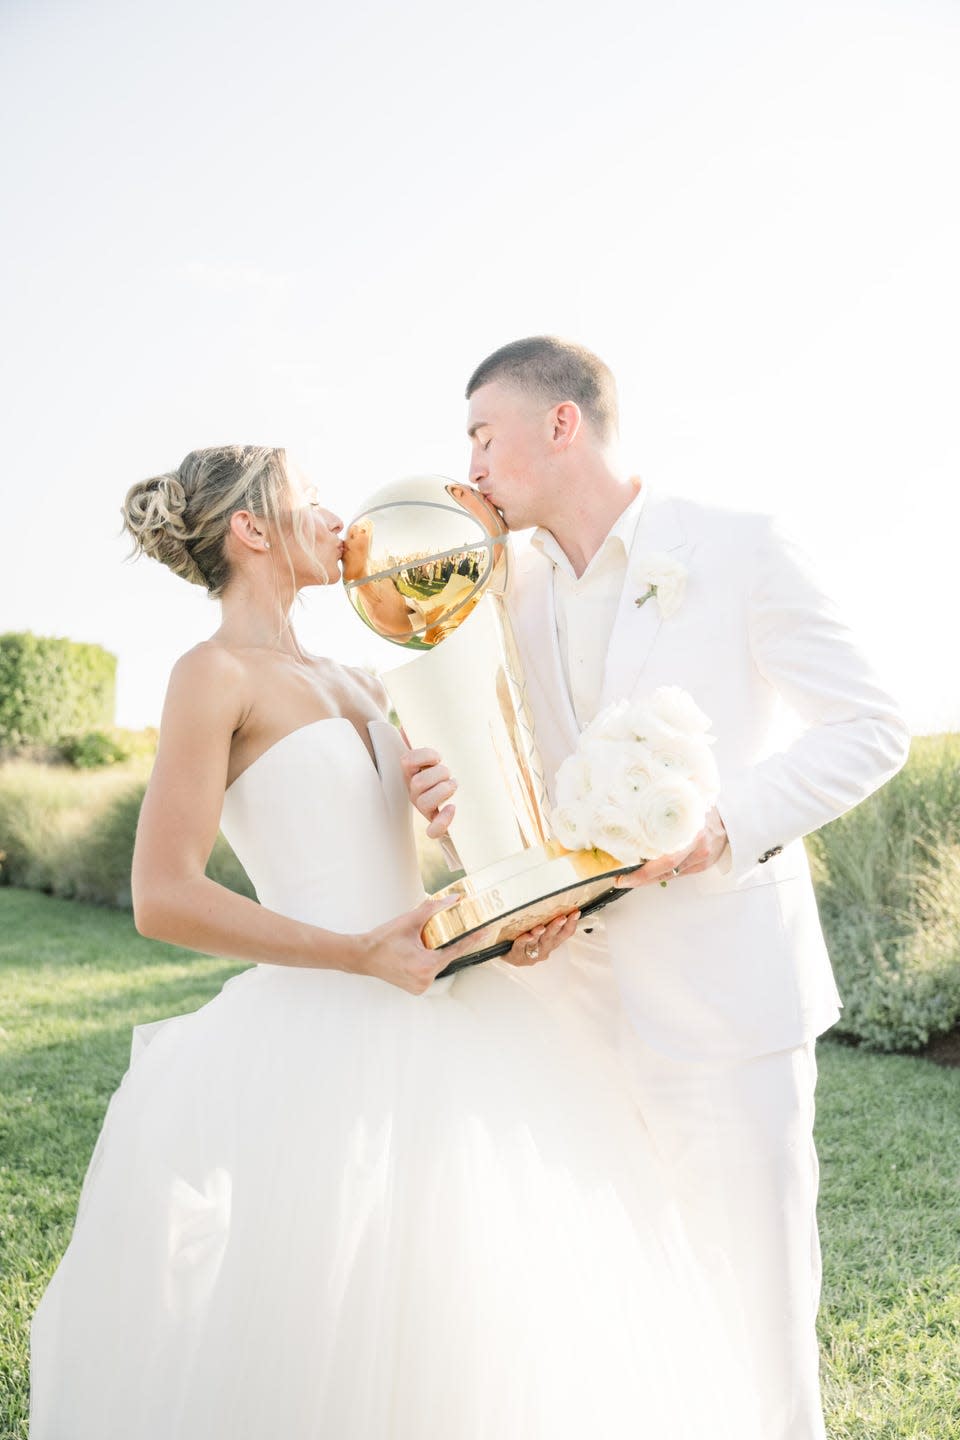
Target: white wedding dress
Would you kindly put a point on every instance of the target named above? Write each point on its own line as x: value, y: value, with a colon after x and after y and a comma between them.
x: 321, y: 1207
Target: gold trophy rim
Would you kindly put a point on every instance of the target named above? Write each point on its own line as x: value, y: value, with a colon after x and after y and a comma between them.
x: 512, y: 903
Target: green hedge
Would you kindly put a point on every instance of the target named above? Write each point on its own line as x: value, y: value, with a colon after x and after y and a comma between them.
x: 888, y: 887
x: 71, y: 832
x: 52, y: 687
x: 92, y: 750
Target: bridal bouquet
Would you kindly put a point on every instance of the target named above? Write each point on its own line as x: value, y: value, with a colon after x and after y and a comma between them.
x: 640, y: 781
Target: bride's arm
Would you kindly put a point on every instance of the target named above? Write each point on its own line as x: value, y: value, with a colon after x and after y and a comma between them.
x: 174, y: 899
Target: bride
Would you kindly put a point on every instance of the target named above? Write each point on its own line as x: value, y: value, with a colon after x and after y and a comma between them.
x: 339, y: 1200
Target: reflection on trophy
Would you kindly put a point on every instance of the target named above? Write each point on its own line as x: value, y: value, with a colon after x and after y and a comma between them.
x: 424, y: 556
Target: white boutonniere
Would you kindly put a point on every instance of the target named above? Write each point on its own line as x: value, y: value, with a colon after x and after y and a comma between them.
x: 661, y: 577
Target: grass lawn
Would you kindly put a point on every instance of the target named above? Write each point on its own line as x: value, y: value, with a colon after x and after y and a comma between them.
x: 74, y: 979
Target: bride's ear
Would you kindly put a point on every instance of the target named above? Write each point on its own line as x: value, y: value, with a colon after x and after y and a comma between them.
x: 249, y: 530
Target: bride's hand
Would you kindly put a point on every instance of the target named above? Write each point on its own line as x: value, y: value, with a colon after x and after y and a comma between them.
x: 535, y: 945
x: 429, y: 785
x: 396, y: 953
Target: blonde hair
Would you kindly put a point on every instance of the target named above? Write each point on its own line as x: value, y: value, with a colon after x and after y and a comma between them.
x: 182, y: 518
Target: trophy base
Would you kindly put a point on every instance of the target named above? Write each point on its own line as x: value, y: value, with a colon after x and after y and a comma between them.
x: 502, y: 901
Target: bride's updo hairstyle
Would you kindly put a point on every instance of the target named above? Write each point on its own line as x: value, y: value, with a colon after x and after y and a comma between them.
x: 182, y: 519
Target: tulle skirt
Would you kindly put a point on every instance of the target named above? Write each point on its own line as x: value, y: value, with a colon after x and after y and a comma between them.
x: 320, y: 1207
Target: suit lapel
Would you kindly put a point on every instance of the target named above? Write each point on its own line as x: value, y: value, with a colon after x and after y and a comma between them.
x: 636, y: 627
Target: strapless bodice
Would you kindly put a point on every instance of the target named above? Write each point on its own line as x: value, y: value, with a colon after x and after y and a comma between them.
x: 324, y: 834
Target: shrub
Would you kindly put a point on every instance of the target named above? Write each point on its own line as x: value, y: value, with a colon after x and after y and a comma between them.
x: 139, y: 744
x: 888, y: 887
x: 38, y: 804
x: 95, y: 864
x: 52, y: 687
x: 71, y: 832
x: 92, y: 749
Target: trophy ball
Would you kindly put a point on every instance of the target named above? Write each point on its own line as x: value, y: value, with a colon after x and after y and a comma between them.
x: 420, y: 556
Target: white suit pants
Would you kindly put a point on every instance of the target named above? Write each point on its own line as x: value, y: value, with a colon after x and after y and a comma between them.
x: 736, y: 1142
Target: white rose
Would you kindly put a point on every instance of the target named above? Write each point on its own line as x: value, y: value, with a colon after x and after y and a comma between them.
x: 678, y: 708
x: 647, y: 728
x: 626, y: 766
x: 573, y: 779
x: 671, y: 815
x: 638, y: 720
x: 640, y: 765
x: 571, y: 826
x: 618, y: 770
x: 685, y: 758
x: 617, y: 832
x: 611, y: 724
x: 665, y: 575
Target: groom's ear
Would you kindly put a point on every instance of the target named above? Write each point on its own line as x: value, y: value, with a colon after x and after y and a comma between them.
x: 565, y: 421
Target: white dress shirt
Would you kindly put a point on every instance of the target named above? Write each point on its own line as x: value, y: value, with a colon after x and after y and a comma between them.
x: 587, y: 607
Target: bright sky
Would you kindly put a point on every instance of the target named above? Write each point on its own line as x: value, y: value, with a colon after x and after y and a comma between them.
x: 304, y: 225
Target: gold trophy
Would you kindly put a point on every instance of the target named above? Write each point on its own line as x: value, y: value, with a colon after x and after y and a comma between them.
x: 423, y: 557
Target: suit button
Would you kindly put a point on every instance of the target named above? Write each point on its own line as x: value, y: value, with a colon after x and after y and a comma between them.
x: 777, y: 850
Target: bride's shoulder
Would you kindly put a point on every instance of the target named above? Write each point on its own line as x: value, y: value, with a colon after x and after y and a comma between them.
x: 370, y: 684
x: 209, y: 673
x: 210, y: 661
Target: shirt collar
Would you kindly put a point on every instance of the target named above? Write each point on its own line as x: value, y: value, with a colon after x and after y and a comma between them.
x: 621, y: 534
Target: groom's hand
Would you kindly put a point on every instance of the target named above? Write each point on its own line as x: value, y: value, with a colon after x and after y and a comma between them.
x: 429, y: 785
x: 704, y: 852
x: 534, y: 946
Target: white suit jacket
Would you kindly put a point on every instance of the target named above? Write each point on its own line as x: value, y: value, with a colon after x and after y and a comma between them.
x: 730, y: 962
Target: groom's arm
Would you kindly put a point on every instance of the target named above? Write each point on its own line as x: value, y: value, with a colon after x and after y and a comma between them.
x: 854, y: 737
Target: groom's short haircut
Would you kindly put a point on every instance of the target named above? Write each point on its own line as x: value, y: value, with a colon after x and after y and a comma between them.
x: 555, y: 370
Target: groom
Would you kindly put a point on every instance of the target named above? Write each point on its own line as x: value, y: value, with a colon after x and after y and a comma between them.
x: 722, y: 973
